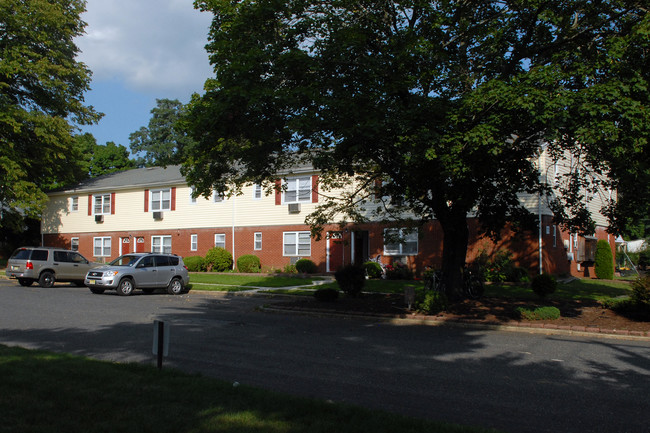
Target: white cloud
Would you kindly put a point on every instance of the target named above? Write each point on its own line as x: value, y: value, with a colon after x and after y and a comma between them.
x: 154, y: 46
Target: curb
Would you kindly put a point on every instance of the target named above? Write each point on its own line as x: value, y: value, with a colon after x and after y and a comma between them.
x: 512, y: 326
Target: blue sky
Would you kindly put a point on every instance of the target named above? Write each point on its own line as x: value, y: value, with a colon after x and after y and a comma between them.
x: 140, y: 51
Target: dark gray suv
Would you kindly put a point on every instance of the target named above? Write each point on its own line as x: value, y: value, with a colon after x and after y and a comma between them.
x: 145, y: 271
x: 47, y: 265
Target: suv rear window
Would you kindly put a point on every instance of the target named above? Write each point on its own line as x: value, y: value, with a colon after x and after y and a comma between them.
x: 22, y: 254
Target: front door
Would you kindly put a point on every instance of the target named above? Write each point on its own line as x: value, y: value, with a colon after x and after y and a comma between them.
x: 125, y: 245
x: 335, y: 251
x: 139, y: 244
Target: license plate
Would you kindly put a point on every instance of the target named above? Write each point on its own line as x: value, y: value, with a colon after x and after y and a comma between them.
x: 15, y: 268
x: 91, y: 282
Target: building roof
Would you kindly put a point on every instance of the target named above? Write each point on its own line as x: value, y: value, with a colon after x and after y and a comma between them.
x: 138, y: 177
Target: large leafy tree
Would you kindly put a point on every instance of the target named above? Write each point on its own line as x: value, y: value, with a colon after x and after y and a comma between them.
x: 102, y: 159
x: 444, y: 104
x: 41, y: 100
x: 164, y: 139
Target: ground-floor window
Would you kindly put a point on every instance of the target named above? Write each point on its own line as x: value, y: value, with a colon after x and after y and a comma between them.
x: 296, y: 244
x: 400, y: 242
x: 220, y: 240
x: 102, y: 247
x: 258, y: 241
x: 74, y: 244
x: 161, y: 244
x: 194, y: 242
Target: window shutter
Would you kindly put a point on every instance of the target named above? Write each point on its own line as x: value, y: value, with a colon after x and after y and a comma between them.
x: 112, y: 203
x: 314, y: 188
x: 146, y: 200
x: 278, y: 192
x: 173, y: 204
x: 90, y: 204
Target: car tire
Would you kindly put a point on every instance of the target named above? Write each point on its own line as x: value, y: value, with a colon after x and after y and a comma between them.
x: 96, y: 291
x: 175, y: 287
x: 25, y: 282
x: 46, y: 279
x: 125, y: 288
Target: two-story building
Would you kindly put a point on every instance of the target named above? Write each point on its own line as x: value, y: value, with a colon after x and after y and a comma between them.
x: 152, y: 209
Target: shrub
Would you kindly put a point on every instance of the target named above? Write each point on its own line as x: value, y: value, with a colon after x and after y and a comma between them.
x: 218, y: 259
x: 499, y: 267
x: 641, y: 292
x: 604, y: 265
x: 544, y: 284
x: 249, y: 263
x: 517, y: 274
x: 644, y: 259
x: 351, y: 279
x: 434, y: 302
x: 398, y: 271
x: 326, y: 295
x: 306, y: 266
x: 373, y: 269
x: 195, y: 263
x: 539, y: 313
x: 289, y: 269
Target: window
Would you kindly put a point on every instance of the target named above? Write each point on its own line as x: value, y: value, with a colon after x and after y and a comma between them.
x: 102, y: 204
x: 161, y: 244
x: 161, y: 199
x: 74, y: 204
x: 217, y: 197
x: 257, y: 192
x: 194, y: 242
x: 220, y: 240
x: 298, y: 190
x: 258, y: 241
x: 296, y: 244
x: 102, y: 247
x: 192, y: 198
x: 74, y: 244
x: 400, y: 242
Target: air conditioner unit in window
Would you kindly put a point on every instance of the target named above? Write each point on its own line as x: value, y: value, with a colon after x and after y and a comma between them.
x: 99, y: 218
x: 294, y: 207
x: 157, y: 215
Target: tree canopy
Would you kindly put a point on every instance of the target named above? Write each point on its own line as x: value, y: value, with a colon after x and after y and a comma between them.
x: 41, y: 100
x: 446, y: 104
x: 102, y: 159
x: 164, y: 139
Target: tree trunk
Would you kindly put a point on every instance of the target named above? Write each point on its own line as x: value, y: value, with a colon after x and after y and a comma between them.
x: 454, y: 252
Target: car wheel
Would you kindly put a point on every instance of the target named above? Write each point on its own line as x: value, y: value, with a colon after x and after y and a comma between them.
x: 25, y: 282
x: 46, y: 279
x: 175, y: 287
x: 125, y: 288
x: 96, y: 290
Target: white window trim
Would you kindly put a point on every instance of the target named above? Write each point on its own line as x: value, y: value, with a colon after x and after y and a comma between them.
x: 288, y: 187
x: 194, y: 242
x: 72, y: 244
x: 105, y: 244
x: 257, y: 235
x: 403, y: 233
x: 162, y: 239
x: 193, y: 200
x: 104, y: 201
x: 224, y: 240
x: 218, y: 198
x: 161, y: 201
x: 296, y: 252
x: 74, y: 204
x: 257, y: 188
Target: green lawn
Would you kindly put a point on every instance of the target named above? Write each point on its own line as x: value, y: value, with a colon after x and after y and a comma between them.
x: 229, y: 282
x: 44, y: 392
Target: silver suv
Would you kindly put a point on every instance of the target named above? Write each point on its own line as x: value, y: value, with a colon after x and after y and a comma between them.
x: 47, y: 265
x: 145, y: 271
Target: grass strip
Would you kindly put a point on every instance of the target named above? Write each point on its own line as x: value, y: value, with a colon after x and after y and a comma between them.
x: 49, y: 392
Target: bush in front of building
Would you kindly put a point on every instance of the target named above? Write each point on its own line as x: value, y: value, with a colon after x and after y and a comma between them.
x: 641, y: 293
x: 373, y: 269
x: 434, y: 302
x: 195, y: 263
x: 351, y: 279
x: 604, y: 261
x: 544, y: 285
x: 218, y: 259
x: 398, y: 271
x: 306, y: 266
x: 249, y: 263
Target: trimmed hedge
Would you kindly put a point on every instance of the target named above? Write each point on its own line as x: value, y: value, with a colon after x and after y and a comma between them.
x: 218, y: 259
x: 544, y: 284
x: 351, y: 279
x: 249, y: 263
x: 306, y: 266
x: 604, y: 265
x: 195, y: 263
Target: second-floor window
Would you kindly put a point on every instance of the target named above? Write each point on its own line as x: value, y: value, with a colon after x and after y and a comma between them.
x: 102, y: 204
x: 298, y: 190
x: 74, y: 204
x: 161, y: 199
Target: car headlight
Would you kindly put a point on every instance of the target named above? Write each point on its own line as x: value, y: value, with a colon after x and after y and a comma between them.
x: 110, y: 273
